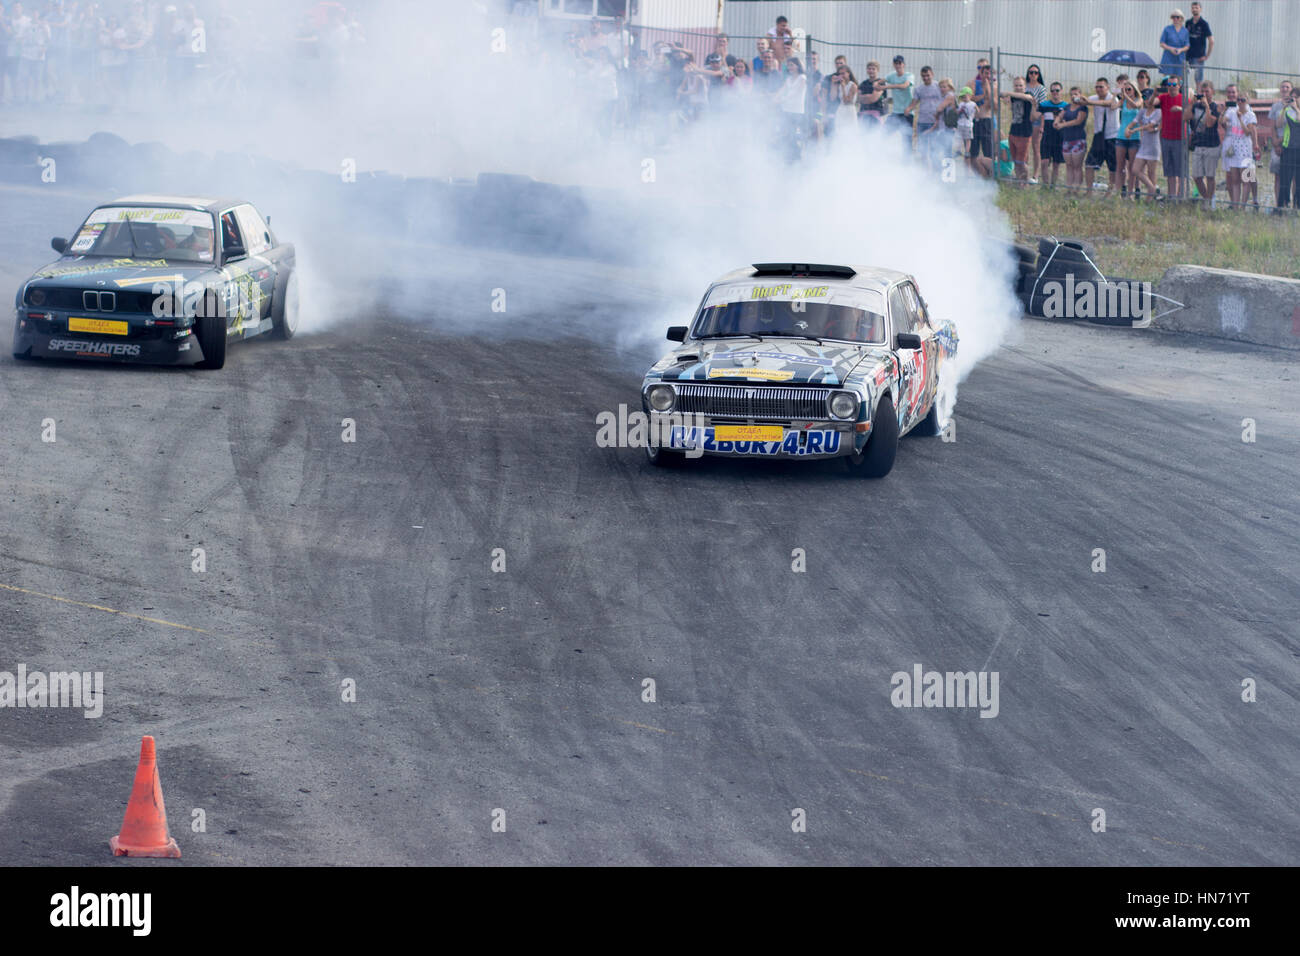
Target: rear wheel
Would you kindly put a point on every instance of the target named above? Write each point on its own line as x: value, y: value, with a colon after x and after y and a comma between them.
x: 929, y: 426
x: 284, y: 308
x: 210, y: 328
x: 877, y: 458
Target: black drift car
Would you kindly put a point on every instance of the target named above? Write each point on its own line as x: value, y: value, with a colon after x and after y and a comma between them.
x: 159, y: 280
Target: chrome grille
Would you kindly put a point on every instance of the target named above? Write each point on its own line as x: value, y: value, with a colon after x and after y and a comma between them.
x: 753, y: 401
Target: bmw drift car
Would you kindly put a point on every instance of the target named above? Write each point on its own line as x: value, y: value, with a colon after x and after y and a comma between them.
x: 788, y: 360
x: 159, y: 280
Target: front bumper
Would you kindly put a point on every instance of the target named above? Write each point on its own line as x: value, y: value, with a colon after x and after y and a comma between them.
x: 787, y: 439
x: 45, y: 335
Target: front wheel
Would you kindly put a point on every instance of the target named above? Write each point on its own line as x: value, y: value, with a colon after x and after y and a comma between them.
x: 877, y: 458
x: 662, y: 458
x: 210, y: 329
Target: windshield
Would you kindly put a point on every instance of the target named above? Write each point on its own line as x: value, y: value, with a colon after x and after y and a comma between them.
x: 804, y: 310
x: 134, y: 232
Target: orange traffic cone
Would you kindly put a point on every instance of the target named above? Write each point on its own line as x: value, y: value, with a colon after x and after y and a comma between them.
x: 144, y: 828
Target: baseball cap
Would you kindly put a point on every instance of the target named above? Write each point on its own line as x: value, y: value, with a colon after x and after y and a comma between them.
x: 966, y: 91
x: 899, y: 59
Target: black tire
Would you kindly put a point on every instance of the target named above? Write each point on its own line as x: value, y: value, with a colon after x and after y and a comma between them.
x: 1137, y: 304
x: 662, y: 458
x: 877, y: 458
x: 1060, y: 271
x: 929, y: 426
x: 210, y: 329
x: 1069, y: 247
x: 284, y: 306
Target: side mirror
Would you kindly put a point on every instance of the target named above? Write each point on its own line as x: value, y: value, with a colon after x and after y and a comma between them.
x: 234, y: 252
x: 59, y: 245
x: 676, y: 333
x: 908, y: 340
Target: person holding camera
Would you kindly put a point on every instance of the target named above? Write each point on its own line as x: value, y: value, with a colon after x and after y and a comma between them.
x: 871, y: 97
x: 1287, y: 145
x: 1204, y: 123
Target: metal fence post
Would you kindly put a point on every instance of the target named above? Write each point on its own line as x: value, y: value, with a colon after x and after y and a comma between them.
x: 997, y: 110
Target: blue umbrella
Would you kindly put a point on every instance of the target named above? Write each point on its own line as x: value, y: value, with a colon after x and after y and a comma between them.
x: 1127, y: 57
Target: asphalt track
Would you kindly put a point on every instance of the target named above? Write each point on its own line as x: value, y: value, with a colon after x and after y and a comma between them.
x: 522, y: 690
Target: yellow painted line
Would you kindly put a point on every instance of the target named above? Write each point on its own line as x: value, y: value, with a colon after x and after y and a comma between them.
x: 100, y: 607
x: 633, y: 723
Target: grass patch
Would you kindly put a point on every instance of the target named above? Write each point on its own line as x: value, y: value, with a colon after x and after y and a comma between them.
x: 1141, y: 240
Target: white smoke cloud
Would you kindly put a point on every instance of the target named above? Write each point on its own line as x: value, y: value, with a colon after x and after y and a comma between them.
x: 451, y: 90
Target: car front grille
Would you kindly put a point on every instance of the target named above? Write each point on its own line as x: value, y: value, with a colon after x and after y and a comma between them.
x: 93, y: 301
x: 753, y: 401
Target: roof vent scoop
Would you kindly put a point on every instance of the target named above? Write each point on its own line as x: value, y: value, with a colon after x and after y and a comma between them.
x: 795, y: 270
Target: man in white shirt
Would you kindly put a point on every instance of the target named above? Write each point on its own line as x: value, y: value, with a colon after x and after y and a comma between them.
x: 1105, y: 127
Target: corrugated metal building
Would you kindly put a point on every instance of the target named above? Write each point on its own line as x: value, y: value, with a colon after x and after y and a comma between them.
x: 1251, y: 36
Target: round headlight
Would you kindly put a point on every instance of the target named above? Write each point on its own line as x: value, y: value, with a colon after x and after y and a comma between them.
x: 660, y: 397
x: 844, y: 405
x: 36, y: 297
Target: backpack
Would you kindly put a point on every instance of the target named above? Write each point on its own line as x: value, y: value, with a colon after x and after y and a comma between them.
x: 950, y: 117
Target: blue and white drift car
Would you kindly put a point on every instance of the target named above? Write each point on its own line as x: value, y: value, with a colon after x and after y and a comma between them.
x: 789, y: 360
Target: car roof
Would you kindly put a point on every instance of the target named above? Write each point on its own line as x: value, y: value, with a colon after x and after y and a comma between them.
x: 176, y: 202
x: 864, y: 277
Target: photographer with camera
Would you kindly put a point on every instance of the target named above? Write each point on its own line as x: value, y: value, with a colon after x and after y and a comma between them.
x: 1204, y: 123
x: 1287, y: 146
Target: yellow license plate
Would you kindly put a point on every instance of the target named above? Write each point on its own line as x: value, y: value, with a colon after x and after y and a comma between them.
x: 748, y: 432
x: 100, y: 326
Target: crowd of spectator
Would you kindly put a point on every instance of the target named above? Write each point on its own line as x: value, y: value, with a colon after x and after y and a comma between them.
x: 129, y: 52
x: 1124, y: 135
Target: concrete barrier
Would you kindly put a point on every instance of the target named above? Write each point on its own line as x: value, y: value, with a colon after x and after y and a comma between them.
x: 1232, y: 305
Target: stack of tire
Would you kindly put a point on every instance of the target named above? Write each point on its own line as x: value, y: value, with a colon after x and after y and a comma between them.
x: 1062, y: 267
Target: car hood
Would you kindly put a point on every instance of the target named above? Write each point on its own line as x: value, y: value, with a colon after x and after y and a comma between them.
x: 774, y: 360
x: 78, y: 271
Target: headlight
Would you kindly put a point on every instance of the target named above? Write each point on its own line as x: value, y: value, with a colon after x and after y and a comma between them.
x: 36, y: 297
x: 844, y: 405
x: 661, y: 397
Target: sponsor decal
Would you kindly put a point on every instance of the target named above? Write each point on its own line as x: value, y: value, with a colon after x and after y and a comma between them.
x: 791, y: 357
x: 82, y: 269
x: 708, y: 439
x: 769, y: 374
x: 749, y: 432
x: 102, y: 349
x: 147, y: 280
x: 794, y: 292
x: 101, y: 326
